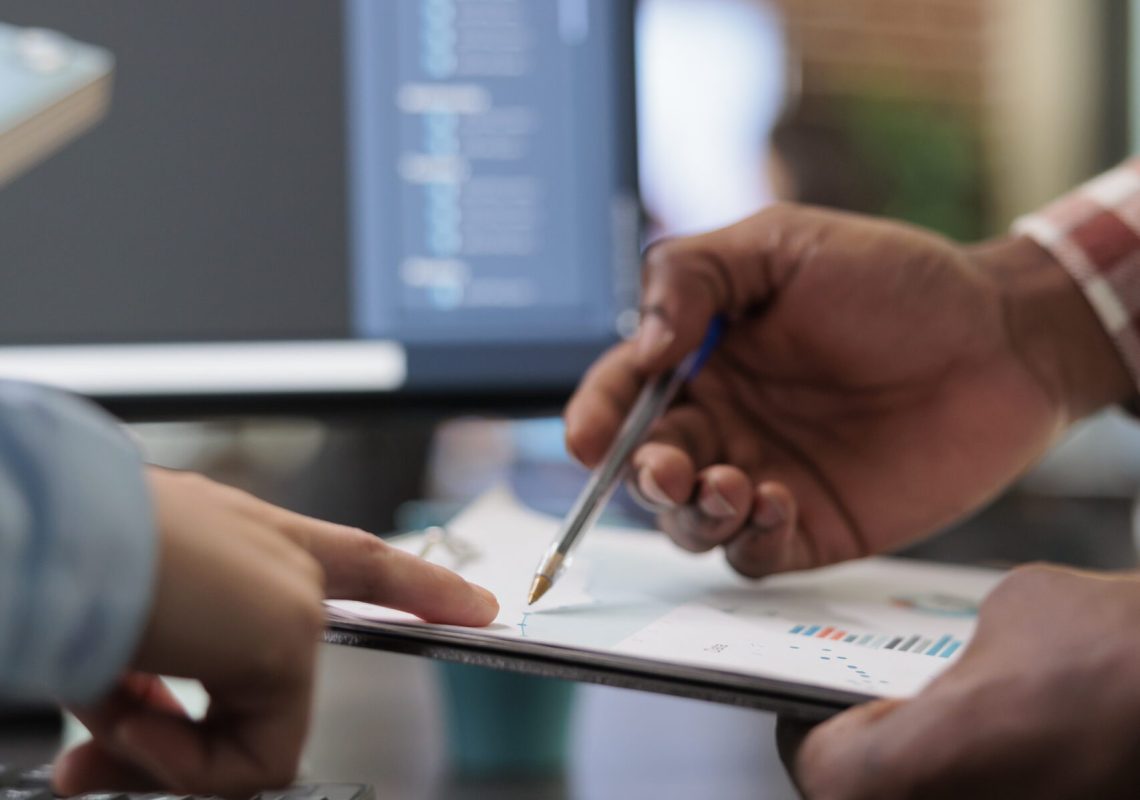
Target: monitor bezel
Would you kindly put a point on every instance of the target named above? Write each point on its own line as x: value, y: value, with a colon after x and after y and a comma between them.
x: 423, y: 389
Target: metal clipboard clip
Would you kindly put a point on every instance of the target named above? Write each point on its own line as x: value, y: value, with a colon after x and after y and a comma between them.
x: 459, y: 552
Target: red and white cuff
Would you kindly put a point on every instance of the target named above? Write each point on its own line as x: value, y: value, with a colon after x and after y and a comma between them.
x: 1094, y: 232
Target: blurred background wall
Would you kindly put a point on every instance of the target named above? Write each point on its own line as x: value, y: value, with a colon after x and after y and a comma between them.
x: 961, y: 115
x: 956, y: 113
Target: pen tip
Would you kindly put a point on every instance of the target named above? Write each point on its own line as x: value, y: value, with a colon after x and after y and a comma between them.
x: 538, y: 587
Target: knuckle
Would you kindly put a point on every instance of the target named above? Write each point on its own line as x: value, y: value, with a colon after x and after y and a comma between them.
x: 360, y: 533
x: 1033, y: 570
x: 783, y: 214
x: 236, y: 498
x: 1021, y: 580
x: 213, y: 491
x: 777, y: 211
x: 195, y: 481
x: 374, y: 552
x: 369, y: 545
x: 768, y: 225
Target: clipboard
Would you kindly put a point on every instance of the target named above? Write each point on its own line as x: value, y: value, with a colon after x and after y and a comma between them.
x: 798, y: 700
x: 805, y: 645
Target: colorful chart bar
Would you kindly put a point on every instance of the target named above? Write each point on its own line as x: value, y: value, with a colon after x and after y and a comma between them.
x: 933, y: 651
x: 944, y: 646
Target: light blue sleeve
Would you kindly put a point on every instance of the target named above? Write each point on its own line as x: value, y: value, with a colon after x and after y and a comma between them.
x: 77, y: 546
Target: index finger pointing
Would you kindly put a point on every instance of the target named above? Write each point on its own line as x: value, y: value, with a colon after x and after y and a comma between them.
x: 361, y: 566
x: 400, y: 580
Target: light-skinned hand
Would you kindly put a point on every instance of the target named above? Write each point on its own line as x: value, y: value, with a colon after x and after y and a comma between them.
x: 238, y: 606
x: 875, y: 383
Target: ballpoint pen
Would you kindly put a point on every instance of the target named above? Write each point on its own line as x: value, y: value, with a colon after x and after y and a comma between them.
x: 654, y: 399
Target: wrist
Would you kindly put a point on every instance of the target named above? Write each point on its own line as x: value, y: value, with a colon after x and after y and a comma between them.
x: 1053, y: 329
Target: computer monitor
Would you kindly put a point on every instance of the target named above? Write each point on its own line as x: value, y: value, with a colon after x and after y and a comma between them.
x: 299, y: 201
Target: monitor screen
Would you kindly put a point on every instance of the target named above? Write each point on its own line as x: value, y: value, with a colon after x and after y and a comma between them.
x: 406, y: 197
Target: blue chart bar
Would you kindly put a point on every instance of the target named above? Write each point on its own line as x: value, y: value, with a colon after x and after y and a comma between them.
x: 949, y: 651
x: 933, y: 651
x: 916, y: 644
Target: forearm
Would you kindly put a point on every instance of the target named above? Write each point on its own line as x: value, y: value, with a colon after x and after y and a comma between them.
x: 77, y: 546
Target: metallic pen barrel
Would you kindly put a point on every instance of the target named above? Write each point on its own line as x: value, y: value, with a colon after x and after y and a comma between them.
x: 605, y: 479
x: 654, y: 399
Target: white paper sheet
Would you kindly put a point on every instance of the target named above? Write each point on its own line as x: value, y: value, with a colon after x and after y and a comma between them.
x: 882, y: 627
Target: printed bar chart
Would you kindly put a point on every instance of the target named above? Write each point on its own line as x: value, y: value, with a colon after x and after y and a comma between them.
x: 943, y: 647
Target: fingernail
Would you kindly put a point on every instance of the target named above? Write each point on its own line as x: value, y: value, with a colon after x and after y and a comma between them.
x: 652, y: 490
x: 769, y: 514
x: 653, y: 335
x: 714, y: 504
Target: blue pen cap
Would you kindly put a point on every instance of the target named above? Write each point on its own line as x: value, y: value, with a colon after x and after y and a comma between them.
x: 708, y: 344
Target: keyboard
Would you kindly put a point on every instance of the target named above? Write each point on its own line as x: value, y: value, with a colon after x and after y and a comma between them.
x: 35, y: 784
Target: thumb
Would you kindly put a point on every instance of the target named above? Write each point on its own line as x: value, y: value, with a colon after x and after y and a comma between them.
x: 732, y: 271
x: 831, y: 759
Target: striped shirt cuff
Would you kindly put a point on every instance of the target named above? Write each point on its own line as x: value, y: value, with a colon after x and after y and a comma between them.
x: 1094, y: 232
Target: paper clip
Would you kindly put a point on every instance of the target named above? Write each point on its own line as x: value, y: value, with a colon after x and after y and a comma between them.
x: 461, y: 551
